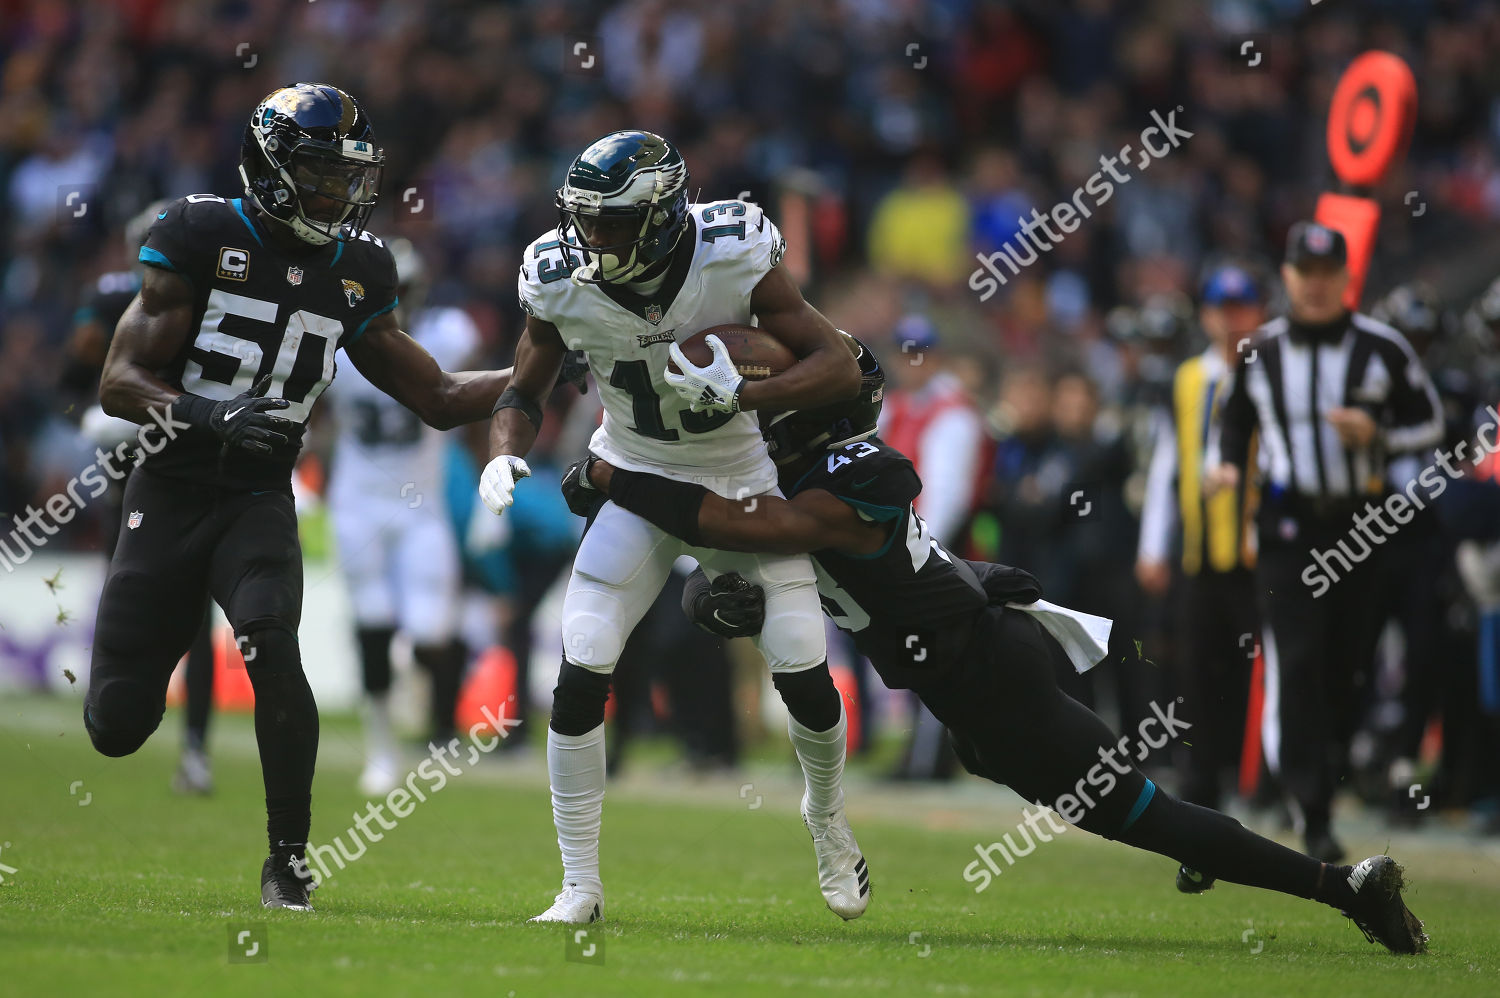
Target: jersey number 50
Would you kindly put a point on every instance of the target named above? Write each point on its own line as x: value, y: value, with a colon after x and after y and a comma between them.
x: 236, y: 338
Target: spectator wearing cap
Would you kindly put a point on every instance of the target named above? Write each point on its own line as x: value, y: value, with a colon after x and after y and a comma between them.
x: 1216, y: 623
x: 929, y: 417
x: 1331, y: 395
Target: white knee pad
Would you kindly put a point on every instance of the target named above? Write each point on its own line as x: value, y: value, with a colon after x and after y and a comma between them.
x: 593, y: 627
x: 618, y: 573
x: 792, y: 638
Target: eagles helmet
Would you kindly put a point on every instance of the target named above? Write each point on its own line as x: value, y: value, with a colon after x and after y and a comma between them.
x: 793, y: 437
x: 310, y: 162
x: 623, y: 206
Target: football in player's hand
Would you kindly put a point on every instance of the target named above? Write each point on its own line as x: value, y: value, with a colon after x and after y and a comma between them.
x: 756, y: 353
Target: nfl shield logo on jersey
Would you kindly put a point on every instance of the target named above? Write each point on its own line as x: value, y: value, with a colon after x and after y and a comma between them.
x: 135, y: 519
x: 294, y: 276
x: 653, y: 314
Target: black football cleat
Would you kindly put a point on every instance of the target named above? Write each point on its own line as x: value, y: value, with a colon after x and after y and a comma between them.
x: 286, y: 882
x: 1378, y: 909
x: 1190, y: 881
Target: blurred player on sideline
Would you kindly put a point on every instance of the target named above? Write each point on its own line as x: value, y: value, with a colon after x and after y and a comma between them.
x: 396, y: 545
x: 1216, y: 622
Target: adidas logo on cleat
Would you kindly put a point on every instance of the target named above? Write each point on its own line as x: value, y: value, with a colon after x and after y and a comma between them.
x: 863, y: 872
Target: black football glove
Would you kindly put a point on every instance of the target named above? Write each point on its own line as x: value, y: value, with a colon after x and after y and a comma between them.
x: 1004, y: 584
x: 575, y: 369
x: 245, y: 421
x: 579, y: 493
x: 730, y: 606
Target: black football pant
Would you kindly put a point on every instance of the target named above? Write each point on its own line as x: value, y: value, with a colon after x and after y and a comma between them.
x: 1012, y: 724
x: 199, y: 674
x: 192, y: 542
x: 1318, y: 652
x: 1216, y: 656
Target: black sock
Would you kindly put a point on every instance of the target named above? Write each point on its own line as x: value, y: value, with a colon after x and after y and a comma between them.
x: 286, y: 729
x: 1217, y: 845
x: 445, y: 664
x: 810, y: 696
x: 375, y: 656
x: 1333, y: 886
x: 200, y: 685
x: 578, y: 700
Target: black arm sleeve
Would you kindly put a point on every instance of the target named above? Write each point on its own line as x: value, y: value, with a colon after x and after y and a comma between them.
x: 672, y: 506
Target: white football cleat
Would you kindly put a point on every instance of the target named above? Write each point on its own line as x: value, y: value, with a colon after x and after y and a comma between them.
x: 379, y: 777
x: 842, y: 874
x: 574, y: 906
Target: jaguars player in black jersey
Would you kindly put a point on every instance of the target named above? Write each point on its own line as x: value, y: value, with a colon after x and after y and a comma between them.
x: 230, y: 341
x: 949, y: 630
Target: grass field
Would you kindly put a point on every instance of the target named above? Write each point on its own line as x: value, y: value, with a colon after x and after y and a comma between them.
x: 121, y: 888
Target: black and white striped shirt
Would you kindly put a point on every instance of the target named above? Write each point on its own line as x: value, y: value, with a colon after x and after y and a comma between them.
x: 1290, y: 375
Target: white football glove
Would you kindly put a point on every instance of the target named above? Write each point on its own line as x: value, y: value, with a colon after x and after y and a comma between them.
x: 715, y: 387
x: 498, y: 483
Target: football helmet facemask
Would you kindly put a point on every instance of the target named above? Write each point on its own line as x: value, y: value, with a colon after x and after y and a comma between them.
x: 794, y: 437
x: 623, y: 206
x: 309, y: 161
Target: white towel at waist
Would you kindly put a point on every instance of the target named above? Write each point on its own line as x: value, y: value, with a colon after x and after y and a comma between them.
x: 1083, y: 636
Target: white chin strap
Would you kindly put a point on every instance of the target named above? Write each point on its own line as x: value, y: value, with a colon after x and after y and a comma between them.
x: 606, y: 267
x: 308, y: 233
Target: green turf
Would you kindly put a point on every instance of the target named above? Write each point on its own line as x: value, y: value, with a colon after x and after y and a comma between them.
x: 138, y: 892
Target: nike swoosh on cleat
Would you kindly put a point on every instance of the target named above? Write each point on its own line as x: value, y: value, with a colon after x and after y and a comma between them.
x: 161, y: 216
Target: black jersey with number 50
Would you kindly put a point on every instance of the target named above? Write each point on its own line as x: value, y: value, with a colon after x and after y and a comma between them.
x: 911, y: 605
x: 258, y: 310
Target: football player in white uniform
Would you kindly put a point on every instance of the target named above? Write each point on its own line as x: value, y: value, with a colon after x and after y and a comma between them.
x: 631, y: 270
x: 396, y: 546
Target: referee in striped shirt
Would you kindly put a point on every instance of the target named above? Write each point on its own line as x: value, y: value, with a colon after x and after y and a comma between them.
x: 1333, y: 395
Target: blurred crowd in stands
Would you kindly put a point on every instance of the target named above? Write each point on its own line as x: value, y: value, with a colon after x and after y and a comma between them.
x: 896, y: 142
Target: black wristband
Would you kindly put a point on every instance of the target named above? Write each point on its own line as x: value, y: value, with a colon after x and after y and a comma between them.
x: 673, y: 506
x: 512, y: 399
x: 195, y: 410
